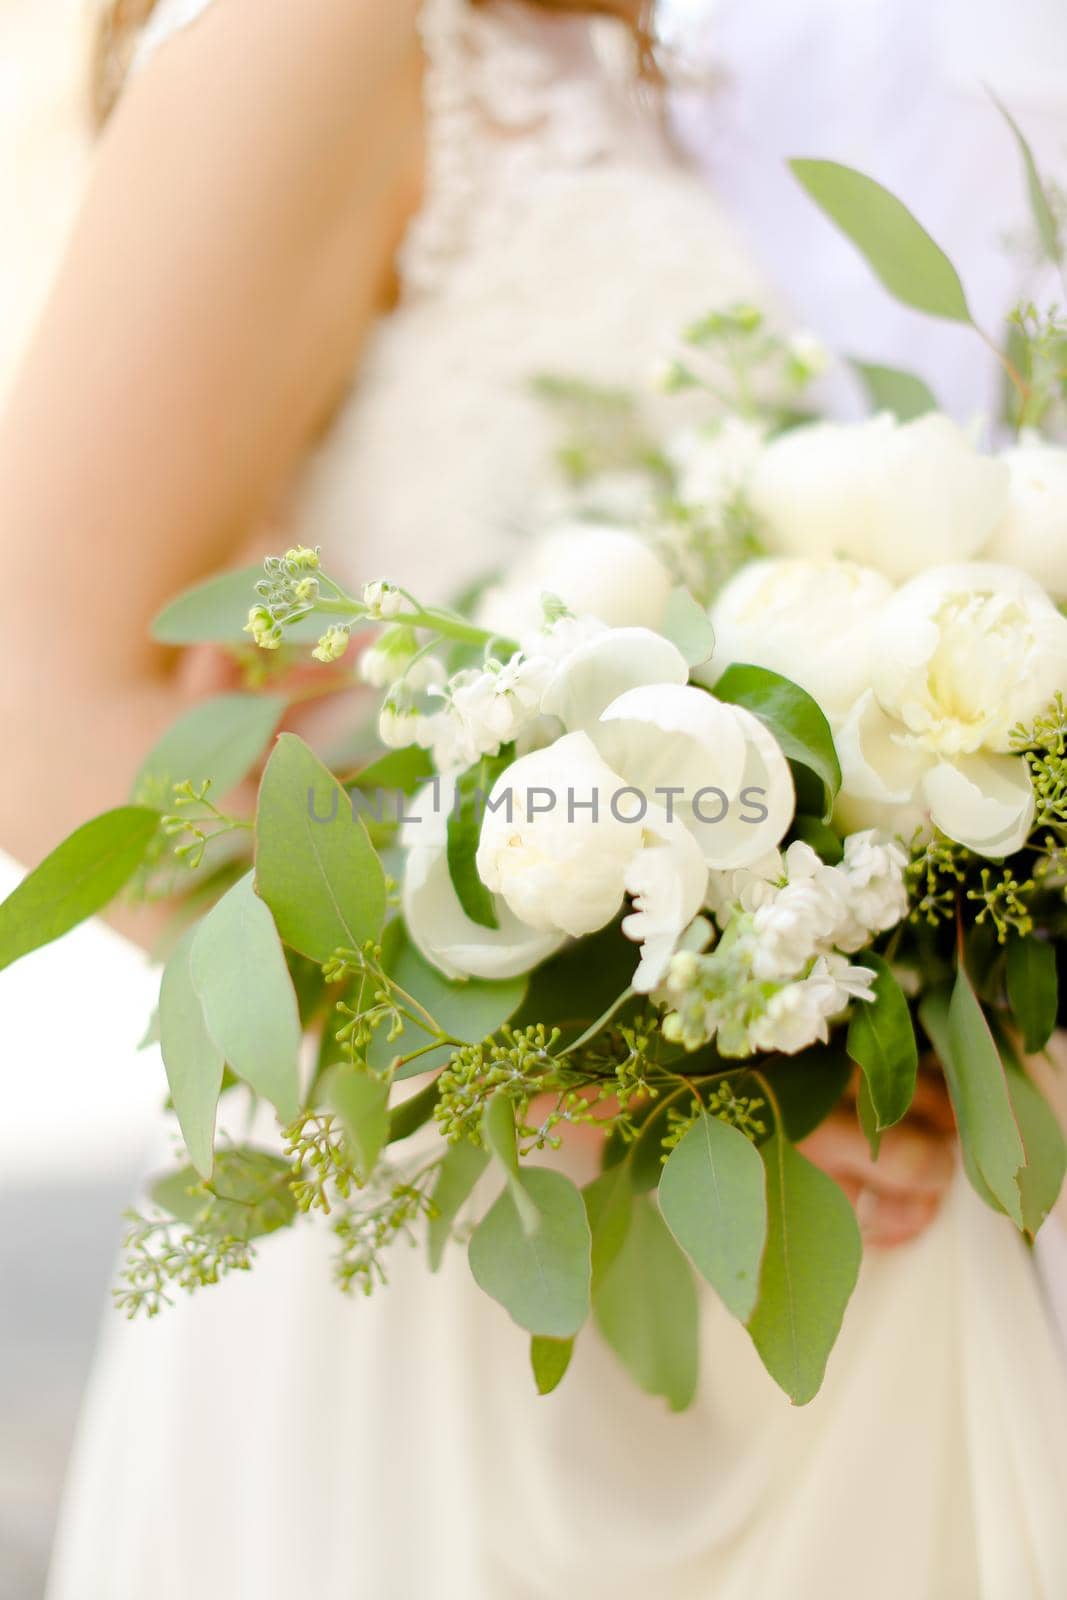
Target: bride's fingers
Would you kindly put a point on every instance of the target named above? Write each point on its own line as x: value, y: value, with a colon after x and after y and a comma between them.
x: 911, y: 1160
x: 887, y: 1220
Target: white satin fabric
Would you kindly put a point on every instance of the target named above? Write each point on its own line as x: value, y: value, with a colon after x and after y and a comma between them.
x: 270, y: 1438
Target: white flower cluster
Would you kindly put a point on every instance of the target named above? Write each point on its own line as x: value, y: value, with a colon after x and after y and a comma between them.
x: 780, y: 974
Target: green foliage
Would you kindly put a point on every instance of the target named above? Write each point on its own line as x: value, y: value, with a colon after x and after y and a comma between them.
x: 1033, y: 990
x: 1045, y: 219
x: 79, y: 878
x: 794, y: 718
x: 646, y: 1309
x: 810, y: 1266
x: 540, y: 1276
x: 609, y: 1207
x: 881, y: 1040
x: 890, y: 389
x: 241, y: 980
x: 362, y: 1103
x: 1041, y: 1180
x: 464, y: 830
x: 989, y: 1136
x: 217, y: 742
x: 549, y: 1359
x: 457, y: 1176
x: 215, y: 612
x: 806, y: 1087
x: 712, y: 1198
x: 315, y: 866
x: 898, y: 250
x: 687, y: 625
x: 193, y: 1060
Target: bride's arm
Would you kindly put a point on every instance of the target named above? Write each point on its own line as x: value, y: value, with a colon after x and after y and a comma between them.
x: 234, y: 245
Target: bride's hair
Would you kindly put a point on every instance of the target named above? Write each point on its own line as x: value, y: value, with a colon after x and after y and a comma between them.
x: 122, y: 20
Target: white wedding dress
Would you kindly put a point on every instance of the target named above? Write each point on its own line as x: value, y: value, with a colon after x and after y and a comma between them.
x: 270, y: 1438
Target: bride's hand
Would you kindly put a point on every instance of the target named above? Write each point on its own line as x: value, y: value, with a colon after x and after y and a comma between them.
x: 898, y: 1195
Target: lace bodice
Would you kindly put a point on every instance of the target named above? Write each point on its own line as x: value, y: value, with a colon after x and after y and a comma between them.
x: 560, y: 234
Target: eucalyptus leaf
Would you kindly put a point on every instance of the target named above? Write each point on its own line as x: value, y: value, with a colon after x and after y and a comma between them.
x: 868, y: 1118
x: 79, y: 878
x: 810, y: 1266
x: 712, y: 1199
x: 459, y: 1172
x: 362, y: 1103
x: 806, y: 1086
x: 193, y: 1060
x: 933, y: 1014
x: 215, y: 612
x: 900, y: 252
x: 413, y: 1113
x: 1048, y: 228
x: 249, y: 1195
x: 975, y: 1073
x: 541, y: 1278
x: 1041, y: 1180
x: 315, y: 866
x: 498, y: 1132
x: 647, y: 1310
x: 609, y: 1207
x: 891, y: 389
x: 881, y: 1040
x: 1033, y: 990
x: 549, y: 1359
x: 220, y: 741
x: 398, y: 771
x: 241, y: 980
x: 795, y: 719
x: 688, y: 627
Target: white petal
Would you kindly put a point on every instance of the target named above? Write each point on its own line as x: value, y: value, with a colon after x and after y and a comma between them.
x: 876, y: 763
x: 983, y: 802
x: 604, y: 667
x: 668, y: 880
x: 439, y: 927
x: 724, y: 773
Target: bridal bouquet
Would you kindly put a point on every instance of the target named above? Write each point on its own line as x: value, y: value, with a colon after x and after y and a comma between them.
x: 747, y: 784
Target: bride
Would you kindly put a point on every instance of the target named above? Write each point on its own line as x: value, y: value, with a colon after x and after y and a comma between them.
x: 444, y: 199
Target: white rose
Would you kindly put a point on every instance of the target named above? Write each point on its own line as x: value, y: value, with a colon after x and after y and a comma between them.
x: 812, y: 621
x: 962, y: 654
x: 1033, y: 532
x: 895, y: 496
x: 594, y: 568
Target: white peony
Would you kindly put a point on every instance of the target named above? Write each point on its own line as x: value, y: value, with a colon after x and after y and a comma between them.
x: 894, y: 496
x: 961, y: 655
x: 812, y: 621
x: 1033, y: 532
x: 594, y: 568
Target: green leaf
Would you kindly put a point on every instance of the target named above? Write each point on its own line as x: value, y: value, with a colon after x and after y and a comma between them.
x: 78, y: 879
x: 1033, y: 990
x: 899, y: 251
x: 549, y: 1359
x: 215, y: 612
x: 891, y: 389
x: 540, y: 1278
x: 1043, y: 214
x: 460, y: 1170
x: 498, y: 1132
x: 810, y: 1266
x: 933, y: 1014
x: 881, y: 1040
x: 248, y: 1198
x: 1041, y: 1180
x: 193, y: 1060
x: 220, y: 739
x: 712, y: 1199
x: 464, y: 831
x: 688, y: 627
x: 794, y: 718
x: 806, y: 1086
x: 413, y: 1113
x: 469, y: 1011
x: 398, y: 771
x: 240, y: 977
x: 646, y: 1309
x: 868, y: 1118
x: 975, y: 1073
x: 362, y: 1103
x: 315, y: 866
x: 609, y: 1207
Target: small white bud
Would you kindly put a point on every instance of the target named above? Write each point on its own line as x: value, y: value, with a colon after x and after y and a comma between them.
x: 382, y: 600
x: 332, y: 645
